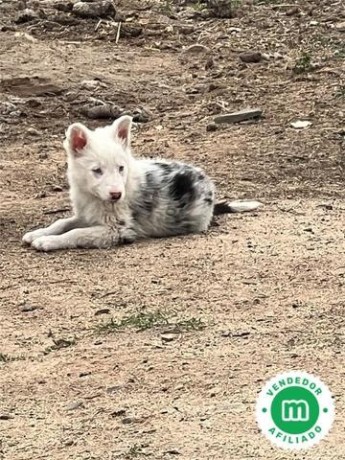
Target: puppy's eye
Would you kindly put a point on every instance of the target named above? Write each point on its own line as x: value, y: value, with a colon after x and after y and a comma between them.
x: 97, y: 171
x: 121, y: 168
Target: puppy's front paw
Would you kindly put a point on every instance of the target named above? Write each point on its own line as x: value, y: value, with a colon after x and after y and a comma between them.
x: 45, y: 243
x: 29, y: 237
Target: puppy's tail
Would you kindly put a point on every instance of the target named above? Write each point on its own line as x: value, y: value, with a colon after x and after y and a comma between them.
x: 227, y: 207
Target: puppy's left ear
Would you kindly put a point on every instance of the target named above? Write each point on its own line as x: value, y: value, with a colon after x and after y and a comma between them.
x: 122, y: 129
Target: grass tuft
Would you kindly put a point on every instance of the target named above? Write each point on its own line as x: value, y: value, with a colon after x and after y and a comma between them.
x: 304, y: 63
x: 143, y: 321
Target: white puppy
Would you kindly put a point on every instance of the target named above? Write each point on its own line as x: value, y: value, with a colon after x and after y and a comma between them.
x: 117, y: 198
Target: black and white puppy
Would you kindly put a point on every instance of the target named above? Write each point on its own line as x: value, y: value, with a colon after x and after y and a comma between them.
x: 117, y: 198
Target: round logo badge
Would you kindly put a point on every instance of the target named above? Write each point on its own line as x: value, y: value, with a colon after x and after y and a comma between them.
x: 295, y: 410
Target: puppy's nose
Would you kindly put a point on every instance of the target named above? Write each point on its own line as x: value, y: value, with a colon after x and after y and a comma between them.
x: 115, y: 196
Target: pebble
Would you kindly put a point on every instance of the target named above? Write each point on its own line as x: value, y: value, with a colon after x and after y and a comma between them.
x: 101, y: 9
x: 75, y: 405
x: 235, y: 117
x: 33, y: 132
x: 300, y: 124
x: 169, y: 337
x: 196, y: 48
x: 127, y: 420
x: 26, y: 308
x: 101, y: 112
x: 251, y: 57
x: 90, y: 84
x: 292, y: 11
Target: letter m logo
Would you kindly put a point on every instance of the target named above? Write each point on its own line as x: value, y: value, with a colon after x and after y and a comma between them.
x: 295, y: 410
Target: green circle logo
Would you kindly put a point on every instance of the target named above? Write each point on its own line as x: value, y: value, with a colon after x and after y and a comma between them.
x: 295, y: 410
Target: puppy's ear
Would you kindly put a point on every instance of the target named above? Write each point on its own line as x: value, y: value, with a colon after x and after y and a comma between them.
x: 122, y: 129
x: 77, y: 138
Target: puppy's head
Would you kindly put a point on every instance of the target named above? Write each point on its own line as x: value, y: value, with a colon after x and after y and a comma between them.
x: 99, y: 160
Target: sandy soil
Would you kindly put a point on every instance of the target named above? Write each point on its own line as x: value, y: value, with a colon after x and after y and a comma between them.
x: 158, y: 350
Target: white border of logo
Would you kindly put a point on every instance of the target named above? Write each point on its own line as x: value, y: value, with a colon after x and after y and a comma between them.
x: 288, y: 441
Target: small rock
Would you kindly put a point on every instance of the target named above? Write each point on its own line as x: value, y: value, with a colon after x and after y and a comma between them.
x: 131, y: 30
x: 196, y: 48
x: 292, y: 11
x: 246, y: 114
x: 43, y: 156
x: 168, y: 337
x: 75, y: 405
x: 300, y: 124
x: 250, y: 57
x: 90, y: 84
x: 101, y: 112
x: 33, y: 132
x: 26, y: 16
x: 26, y: 308
x: 127, y: 420
x: 101, y: 9
x: 211, y: 127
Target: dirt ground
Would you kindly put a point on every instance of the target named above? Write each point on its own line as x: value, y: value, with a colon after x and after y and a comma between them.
x: 158, y: 350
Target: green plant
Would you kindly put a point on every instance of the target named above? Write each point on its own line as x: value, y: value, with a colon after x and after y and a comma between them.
x: 143, y: 321
x: 303, y: 63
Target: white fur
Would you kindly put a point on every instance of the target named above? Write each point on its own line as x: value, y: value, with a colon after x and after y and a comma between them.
x: 117, y: 199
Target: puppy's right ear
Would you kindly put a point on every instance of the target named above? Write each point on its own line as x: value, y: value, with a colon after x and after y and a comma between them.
x: 77, y: 138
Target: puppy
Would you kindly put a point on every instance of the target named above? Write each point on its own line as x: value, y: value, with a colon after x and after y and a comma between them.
x: 117, y: 198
